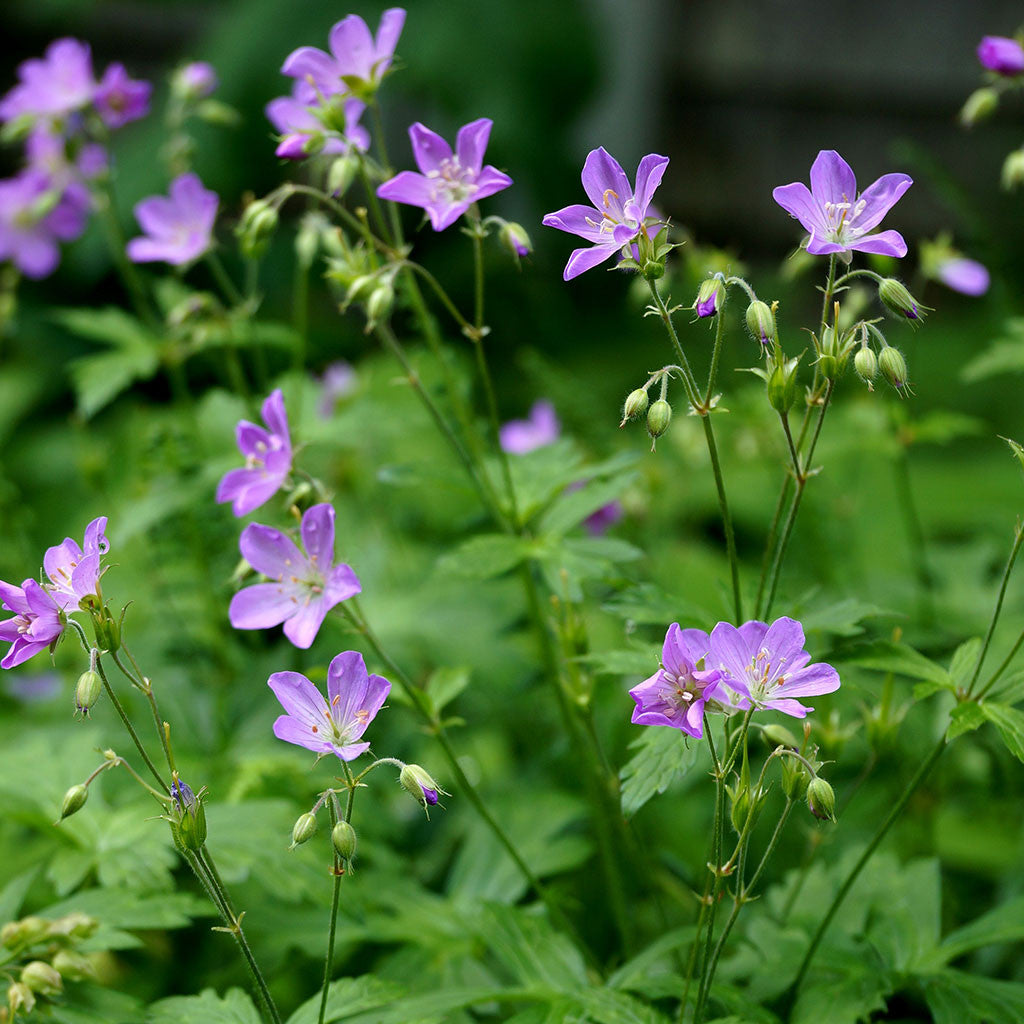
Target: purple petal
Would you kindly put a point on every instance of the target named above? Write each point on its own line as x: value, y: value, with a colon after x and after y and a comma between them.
x: 95, y: 536
x: 388, y: 31
x: 428, y: 148
x: 489, y: 181
x: 817, y: 246
x: 784, y: 639
x: 444, y: 215
x: 300, y: 698
x: 261, y: 606
x: 408, y: 187
x: 342, y: 584
x: 797, y: 201
x: 352, y: 45
x: 832, y: 179
x: 471, y: 143
x: 271, y: 552
x: 648, y: 178
x: 37, y: 256
x: 304, y: 625
x: 788, y: 707
x: 351, y: 751
x: 692, y: 644
x: 274, y: 415
x: 1001, y: 55
x: 308, y: 62
x: 347, y: 680
x: 879, y: 197
x: 602, y: 174
x: 21, y: 650
x: 885, y: 243
x: 318, y: 536
x: 583, y: 260
x: 251, y: 439
x: 809, y: 682
x: 579, y: 220
x: 963, y: 275
x: 291, y: 730
x: 13, y: 598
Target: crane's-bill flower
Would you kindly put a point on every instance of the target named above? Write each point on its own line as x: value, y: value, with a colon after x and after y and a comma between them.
x: 75, y: 571
x: 333, y: 725
x: 54, y: 85
x: 1002, y: 55
x: 195, y: 81
x: 47, y: 151
x: 769, y: 665
x: 677, y: 694
x: 620, y: 212
x: 541, y: 427
x: 304, y: 586
x: 300, y: 120
x: 179, y: 227
x: 268, y: 459
x: 357, y: 62
x: 839, y: 218
x: 967, y: 276
x: 448, y: 183
x: 119, y: 98
x: 37, y: 621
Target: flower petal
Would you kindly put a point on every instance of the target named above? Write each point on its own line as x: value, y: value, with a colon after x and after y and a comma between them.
x: 302, y: 627
x: 291, y: 730
x: 352, y: 45
x: 271, y: 552
x: 489, y: 181
x: 797, y: 201
x: 300, y: 698
x: 788, y: 707
x: 351, y: 751
x: 428, y: 148
x: 274, y: 415
x: 342, y: 584
x: 809, y: 682
x: 408, y: 187
x: 318, y: 536
x: 603, y: 174
x: 583, y: 260
x: 262, y: 605
x: 648, y: 178
x: 388, y: 31
x: 832, y: 179
x: 578, y: 219
x: 347, y: 680
x: 879, y: 198
x: 886, y: 243
x: 471, y: 143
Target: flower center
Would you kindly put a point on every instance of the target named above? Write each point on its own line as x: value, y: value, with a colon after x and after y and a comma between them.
x: 840, y: 218
x: 679, y: 691
x: 761, y: 674
x: 453, y: 182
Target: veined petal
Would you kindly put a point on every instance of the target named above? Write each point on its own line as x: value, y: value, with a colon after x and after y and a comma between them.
x: 832, y: 179
x: 342, y: 584
x: 300, y: 698
x: 489, y: 181
x: 262, y: 605
x: 271, y: 552
x: 351, y: 750
x: 302, y: 627
x: 96, y: 537
x: 291, y: 730
x: 648, y: 178
x: 471, y: 143
x: 21, y: 650
x: 788, y: 707
x: 785, y: 640
x: 879, y: 198
x: 603, y: 174
x: 809, y: 682
x: 583, y: 260
x: 818, y: 245
x: 694, y: 643
x: 886, y: 243
x: 577, y: 220
x: 408, y: 187
x: 274, y: 415
x: 318, y: 536
x: 60, y: 561
x: 308, y: 62
x: 377, y: 690
x: 428, y: 148
x: 352, y: 45
x: 13, y: 598
x: 347, y: 680
x: 388, y: 31
x: 731, y: 651
x: 797, y: 201
x: 444, y: 214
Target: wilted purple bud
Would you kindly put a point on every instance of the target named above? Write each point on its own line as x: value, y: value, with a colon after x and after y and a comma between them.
x: 710, y: 297
x: 418, y: 783
x: 1002, y: 55
x: 188, y: 816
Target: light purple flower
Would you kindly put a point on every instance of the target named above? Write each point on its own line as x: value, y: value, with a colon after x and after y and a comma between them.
x: 36, y: 624
x: 768, y: 665
x: 74, y: 571
x: 356, y: 60
x: 619, y: 214
x: 47, y: 151
x: 305, y: 587
x: 120, y: 99
x: 179, y: 228
x: 34, y: 217
x: 339, y: 380
x: 196, y: 80
x: 56, y: 84
x: 300, y: 120
x: 449, y: 183
x: 541, y: 427
x: 837, y: 217
x: 268, y: 459
x: 676, y: 695
x: 1002, y: 55
x: 963, y: 275
x: 333, y: 725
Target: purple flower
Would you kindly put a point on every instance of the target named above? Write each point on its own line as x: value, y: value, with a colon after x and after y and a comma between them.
x: 339, y: 380
x: 305, y: 587
x: 47, y: 151
x: 196, y: 80
x: 36, y: 624
x: 541, y: 427
x: 34, y: 217
x: 120, y: 99
x: 75, y: 572
x: 1001, y: 55
x: 963, y: 275
x: 619, y: 212
x: 837, y: 217
x: 677, y: 693
x: 769, y: 665
x: 59, y: 83
x: 450, y: 182
x: 356, y: 61
x: 333, y: 725
x: 268, y: 459
x: 598, y: 523
x: 301, y: 121
x: 179, y: 228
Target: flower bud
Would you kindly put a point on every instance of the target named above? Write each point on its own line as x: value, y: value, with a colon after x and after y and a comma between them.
x: 304, y: 829
x: 782, y: 386
x: 341, y: 174
x: 379, y: 304
x: 653, y: 270
x: 74, y: 800
x: 794, y: 777
x: 343, y: 836
x: 188, y: 817
x: 73, y: 966
x: 893, y: 367
x: 514, y: 237
x: 865, y: 362
x: 761, y: 321
x: 87, y: 691
x: 255, y: 229
x: 20, y: 998
x: 895, y: 297
x: 26, y: 932
x: 821, y: 799
x: 779, y: 735
x: 710, y: 297
x: 981, y: 104
x: 659, y: 415
x: 75, y: 925
x: 635, y: 405
x: 41, y: 978
x: 419, y: 785
x: 108, y: 633
x: 194, y: 81
x: 1013, y: 169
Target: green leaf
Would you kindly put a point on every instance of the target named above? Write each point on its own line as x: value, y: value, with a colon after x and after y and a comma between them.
x: 941, y: 427
x: 434, y: 1006
x: 661, y: 754
x: 444, y: 685
x: 900, y: 659
x: 531, y: 952
x: 1010, y: 723
x: 1017, y: 449
x: 964, y: 662
x: 652, y: 972
x: 647, y: 604
x: 965, y: 718
x: 842, y: 997
x: 841, y: 618
x: 1010, y: 689
x: 955, y: 997
x: 1001, y: 924
x: 607, y: 1006
x: 641, y: 660
x: 1006, y: 355
x: 13, y: 894
x: 484, y: 556
x: 573, y: 506
x: 207, y: 1008
x: 347, y: 996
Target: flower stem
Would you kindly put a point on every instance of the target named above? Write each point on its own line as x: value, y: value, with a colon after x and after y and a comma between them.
x: 337, y: 871
x: 715, y: 352
x: 1002, y: 667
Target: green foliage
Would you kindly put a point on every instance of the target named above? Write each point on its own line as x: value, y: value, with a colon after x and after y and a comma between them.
x: 662, y: 754
x: 206, y: 1008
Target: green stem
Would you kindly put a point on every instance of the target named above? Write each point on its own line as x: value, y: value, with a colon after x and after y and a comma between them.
x: 713, y: 372
x: 773, y: 532
x: 1002, y: 667
x: 146, y: 687
x: 689, y: 381
x: 338, y: 870
x: 717, y: 838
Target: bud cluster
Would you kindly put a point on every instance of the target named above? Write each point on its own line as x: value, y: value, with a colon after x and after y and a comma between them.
x: 256, y: 227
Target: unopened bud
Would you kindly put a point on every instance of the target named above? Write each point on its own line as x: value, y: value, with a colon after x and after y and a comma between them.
x: 897, y: 298
x: 514, y: 237
x: 360, y: 289
x: 635, y: 406
x: 821, y: 799
x: 653, y: 270
x: 1013, y: 169
x: 75, y: 925
x: 108, y: 633
x: 981, y: 104
x: 761, y: 321
x: 304, y: 829
x: 417, y: 782
x: 41, y: 978
x: 780, y: 735
x: 255, y: 229
x: 343, y: 836
x: 26, y: 932
x: 893, y: 367
x: 794, y: 778
x: 342, y: 174
x: 194, y: 81
x: 74, y: 800
x: 20, y: 998
x: 710, y: 297
x: 865, y: 362
x: 87, y: 691
x: 188, y: 815
x: 73, y: 966
x: 782, y: 386
x: 379, y: 304
x: 659, y: 415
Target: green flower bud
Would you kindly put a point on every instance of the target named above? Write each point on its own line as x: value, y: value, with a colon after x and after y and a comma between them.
x: 73, y: 966
x: 304, y: 829
x: 75, y: 925
x: 865, y: 362
x: 360, y: 289
x: 417, y: 782
x: 341, y: 174
x: 343, y: 836
x: 254, y: 231
x: 635, y: 406
x: 895, y: 297
x: 779, y: 735
x: 188, y: 816
x: 981, y: 104
x: 653, y: 270
x: 514, y: 237
x: 26, y: 932
x: 108, y: 633
x: 794, y: 777
x: 378, y: 305
x: 710, y: 297
x: 659, y: 415
x: 41, y: 978
x: 782, y: 386
x: 761, y: 322
x: 20, y: 998
x: 821, y: 799
x: 87, y: 691
x: 893, y: 367
x: 74, y: 800
x: 1013, y: 169
x: 308, y: 239
x: 739, y: 807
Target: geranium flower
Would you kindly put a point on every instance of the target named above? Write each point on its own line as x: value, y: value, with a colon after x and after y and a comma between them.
x: 268, y: 459
x: 304, y: 587
x: 179, y: 228
x: 449, y: 183
x: 541, y: 427
x: 1002, y: 55
x: 120, y: 99
x: 837, y: 217
x: 333, y: 725
x: 195, y: 81
x: 74, y: 571
x: 619, y: 214
x: 769, y: 665
x: 679, y: 691
x: 36, y: 624
x: 298, y: 119
x: 54, y: 85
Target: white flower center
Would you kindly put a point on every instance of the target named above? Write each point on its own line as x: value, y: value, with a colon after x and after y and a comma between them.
x: 841, y: 217
x: 453, y: 182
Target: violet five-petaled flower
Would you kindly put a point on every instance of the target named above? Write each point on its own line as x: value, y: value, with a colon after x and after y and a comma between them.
x: 36, y: 624
x: 333, y: 725
x: 967, y: 276
x: 448, y: 182
x: 767, y: 665
x: 268, y: 459
x: 300, y: 120
x: 179, y: 227
x: 119, y: 98
x: 303, y: 587
x: 56, y: 84
x: 620, y: 211
x: 74, y: 571
x: 677, y: 694
x: 1002, y: 55
x: 839, y: 218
